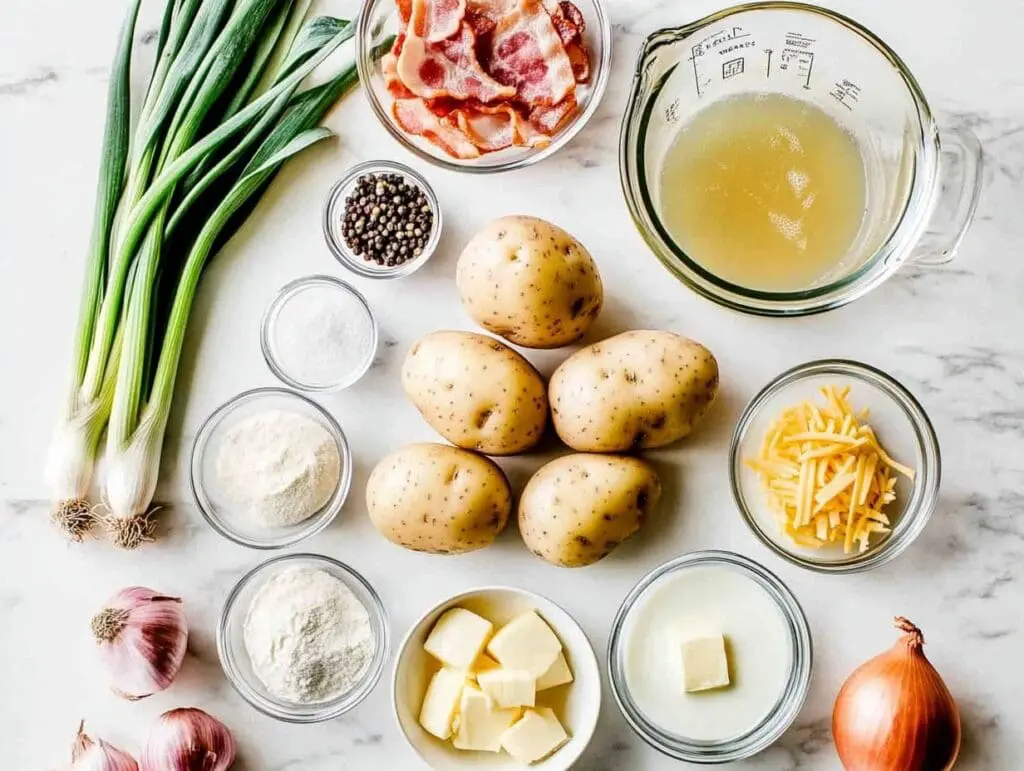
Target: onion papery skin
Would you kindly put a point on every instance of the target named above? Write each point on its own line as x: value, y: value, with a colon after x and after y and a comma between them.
x: 895, y: 713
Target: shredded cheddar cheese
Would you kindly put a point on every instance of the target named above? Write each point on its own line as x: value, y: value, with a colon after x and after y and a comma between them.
x: 826, y: 477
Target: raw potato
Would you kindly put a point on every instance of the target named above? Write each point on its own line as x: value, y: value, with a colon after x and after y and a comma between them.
x: 530, y: 282
x: 438, y: 499
x: 476, y: 392
x: 635, y: 390
x: 575, y: 510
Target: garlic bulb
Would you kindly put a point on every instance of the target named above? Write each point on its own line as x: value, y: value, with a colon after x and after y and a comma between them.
x: 89, y: 755
x: 188, y: 739
x: 142, y: 637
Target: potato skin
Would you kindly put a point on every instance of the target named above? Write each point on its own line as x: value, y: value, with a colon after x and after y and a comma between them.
x: 530, y: 282
x: 438, y: 499
x: 575, y: 510
x: 636, y: 390
x: 476, y: 392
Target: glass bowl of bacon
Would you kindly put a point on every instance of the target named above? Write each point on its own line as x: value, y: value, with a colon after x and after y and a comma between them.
x: 483, y: 86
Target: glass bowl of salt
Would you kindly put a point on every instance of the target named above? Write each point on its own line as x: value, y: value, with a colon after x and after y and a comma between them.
x: 319, y: 335
x: 270, y: 468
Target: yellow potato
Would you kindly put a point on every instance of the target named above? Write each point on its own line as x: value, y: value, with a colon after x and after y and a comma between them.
x: 575, y: 510
x: 636, y: 390
x: 530, y: 282
x: 438, y: 499
x: 476, y: 392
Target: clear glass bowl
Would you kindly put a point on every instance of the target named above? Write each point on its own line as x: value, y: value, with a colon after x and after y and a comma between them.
x: 219, y: 512
x: 903, y: 429
x: 789, y: 703
x: 234, y: 659
x: 276, y: 357
x: 334, y: 209
x: 378, y: 21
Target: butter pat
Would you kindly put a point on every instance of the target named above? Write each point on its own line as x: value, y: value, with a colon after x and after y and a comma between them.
x: 480, y: 724
x: 535, y: 736
x: 442, y: 702
x: 557, y: 674
x: 483, y: 663
x: 527, y: 643
x: 458, y: 638
x: 704, y: 664
x: 508, y: 687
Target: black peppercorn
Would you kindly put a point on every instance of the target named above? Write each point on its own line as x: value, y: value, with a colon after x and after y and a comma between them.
x: 387, y: 219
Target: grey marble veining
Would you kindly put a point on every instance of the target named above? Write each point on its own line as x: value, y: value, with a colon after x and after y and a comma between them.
x: 953, y: 335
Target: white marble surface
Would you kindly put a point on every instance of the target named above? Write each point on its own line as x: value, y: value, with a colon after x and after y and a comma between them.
x: 953, y: 335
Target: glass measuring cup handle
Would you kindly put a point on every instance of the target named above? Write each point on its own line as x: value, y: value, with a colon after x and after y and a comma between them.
x: 959, y: 188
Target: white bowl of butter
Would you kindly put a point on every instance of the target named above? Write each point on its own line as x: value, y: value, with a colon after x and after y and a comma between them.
x: 469, y: 691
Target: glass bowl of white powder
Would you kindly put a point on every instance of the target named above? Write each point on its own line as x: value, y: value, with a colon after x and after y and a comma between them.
x: 319, y: 335
x: 303, y: 638
x: 270, y: 468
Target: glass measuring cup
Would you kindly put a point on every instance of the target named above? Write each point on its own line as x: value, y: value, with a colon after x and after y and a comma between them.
x: 922, y: 184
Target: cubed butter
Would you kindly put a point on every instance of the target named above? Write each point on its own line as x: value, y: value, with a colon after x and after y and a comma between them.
x: 526, y: 642
x: 480, y: 723
x: 557, y: 674
x: 534, y: 736
x: 705, y: 665
x: 508, y: 687
x: 441, y: 702
x: 483, y: 663
x: 458, y: 637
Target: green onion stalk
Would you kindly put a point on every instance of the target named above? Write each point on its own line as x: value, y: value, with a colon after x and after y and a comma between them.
x: 222, y: 112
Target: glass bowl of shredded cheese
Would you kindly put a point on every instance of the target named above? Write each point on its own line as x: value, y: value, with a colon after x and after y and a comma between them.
x: 835, y: 466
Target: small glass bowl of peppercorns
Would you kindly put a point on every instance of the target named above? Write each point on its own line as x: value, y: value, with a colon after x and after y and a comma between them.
x: 382, y: 220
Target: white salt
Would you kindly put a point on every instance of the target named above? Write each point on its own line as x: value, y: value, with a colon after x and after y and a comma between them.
x: 323, y: 336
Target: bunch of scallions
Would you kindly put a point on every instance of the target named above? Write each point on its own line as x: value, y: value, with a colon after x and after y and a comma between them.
x: 222, y: 112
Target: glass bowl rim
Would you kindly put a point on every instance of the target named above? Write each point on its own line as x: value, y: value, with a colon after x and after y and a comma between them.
x: 598, y: 89
x: 925, y: 494
x: 318, y: 522
x: 315, y: 713
x: 270, y: 319
x: 337, y: 245
x: 790, y: 702
x: 909, y: 226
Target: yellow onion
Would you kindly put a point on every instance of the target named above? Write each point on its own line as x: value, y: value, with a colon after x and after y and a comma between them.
x: 894, y: 713
x: 188, y: 739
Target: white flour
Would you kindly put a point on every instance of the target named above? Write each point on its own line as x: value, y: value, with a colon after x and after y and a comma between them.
x: 308, y: 636
x: 278, y: 467
x: 323, y: 336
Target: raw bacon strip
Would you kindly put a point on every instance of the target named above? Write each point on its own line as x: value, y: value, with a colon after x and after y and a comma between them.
x: 449, y: 68
x: 404, y: 11
x: 526, y: 52
x: 548, y: 120
x: 415, y: 117
x: 393, y: 83
x: 566, y: 30
x: 435, y: 20
x: 494, y: 10
x: 580, y: 58
x: 490, y: 130
x: 574, y: 15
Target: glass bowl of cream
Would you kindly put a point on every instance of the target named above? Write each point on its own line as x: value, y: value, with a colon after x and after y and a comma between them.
x: 270, y: 468
x: 710, y: 658
x: 303, y: 638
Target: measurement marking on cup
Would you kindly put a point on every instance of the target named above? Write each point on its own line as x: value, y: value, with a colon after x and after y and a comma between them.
x: 845, y: 91
x: 732, y: 68
x: 768, y: 73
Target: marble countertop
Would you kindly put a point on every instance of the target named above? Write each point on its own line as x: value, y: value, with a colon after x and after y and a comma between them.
x: 953, y: 335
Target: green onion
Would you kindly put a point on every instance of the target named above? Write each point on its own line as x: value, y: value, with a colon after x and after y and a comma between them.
x: 221, y: 114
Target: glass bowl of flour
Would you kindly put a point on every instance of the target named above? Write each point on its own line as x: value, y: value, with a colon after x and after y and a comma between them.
x: 303, y: 638
x: 270, y: 468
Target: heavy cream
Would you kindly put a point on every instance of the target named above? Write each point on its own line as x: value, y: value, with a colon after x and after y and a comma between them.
x: 701, y: 603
